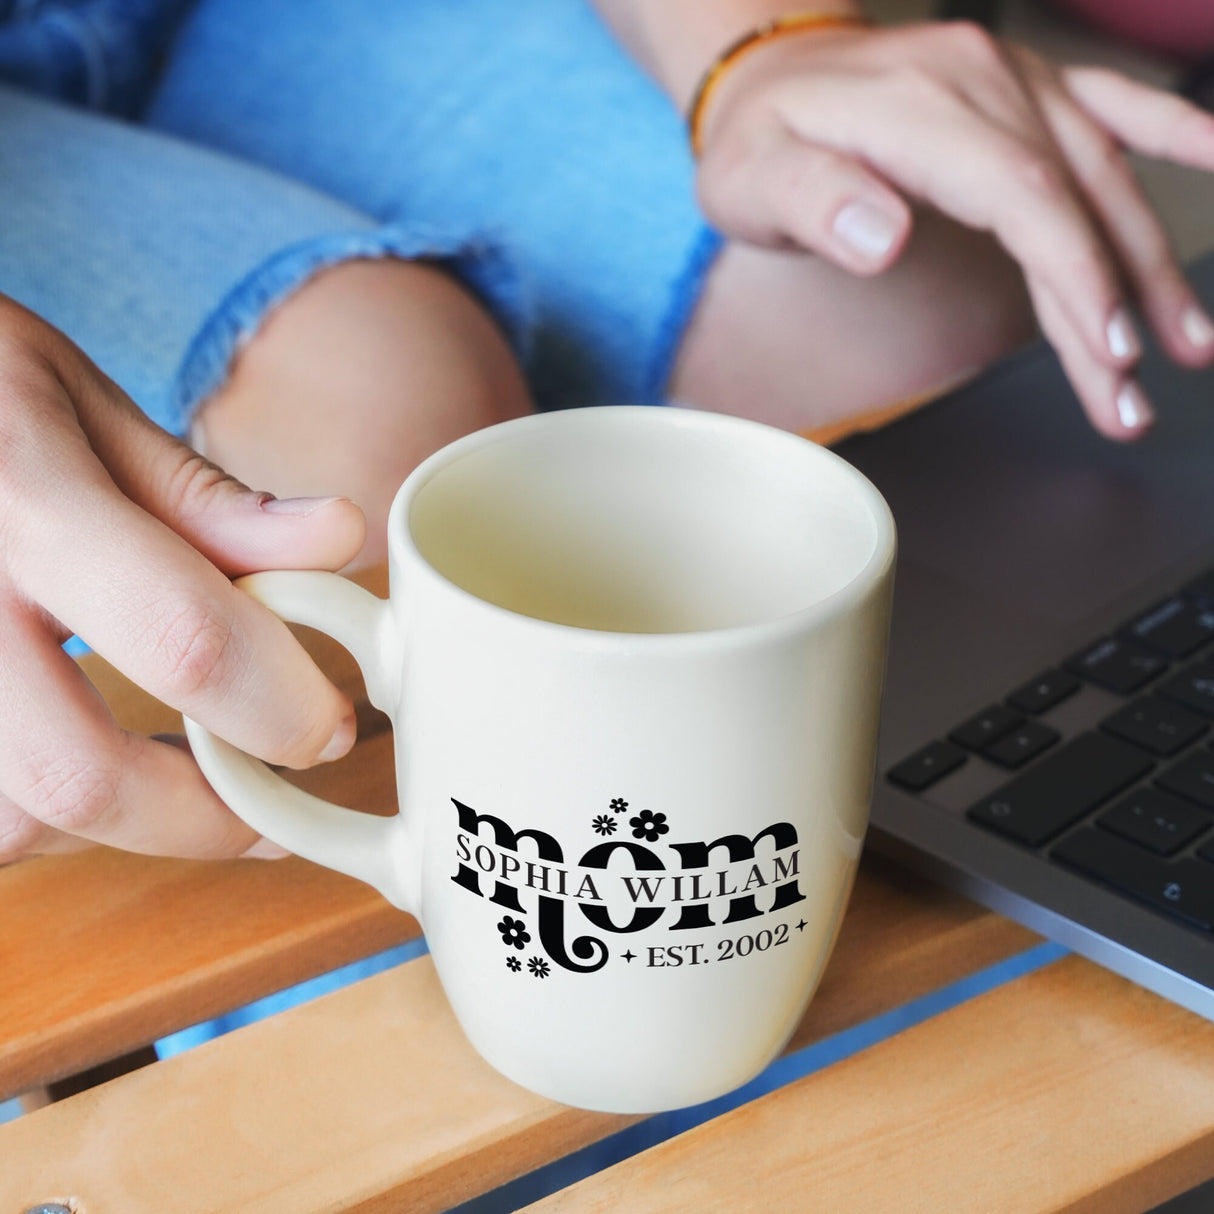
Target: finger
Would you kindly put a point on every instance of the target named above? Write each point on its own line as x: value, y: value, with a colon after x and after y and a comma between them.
x: 263, y: 849
x: 1132, y: 227
x: 810, y: 198
x: 1156, y: 123
x: 22, y: 836
x: 67, y: 765
x: 1114, y: 402
x: 161, y: 613
x: 973, y: 170
x: 237, y: 529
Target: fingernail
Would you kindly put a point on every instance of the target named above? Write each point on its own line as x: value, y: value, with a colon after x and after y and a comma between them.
x: 867, y: 229
x: 263, y: 849
x: 296, y: 507
x: 1133, y: 408
x: 1120, y: 334
x: 1197, y: 328
x: 341, y: 741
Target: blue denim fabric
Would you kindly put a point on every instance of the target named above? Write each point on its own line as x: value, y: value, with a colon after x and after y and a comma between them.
x: 525, y: 121
x: 442, y: 126
x: 159, y: 258
x: 99, y: 53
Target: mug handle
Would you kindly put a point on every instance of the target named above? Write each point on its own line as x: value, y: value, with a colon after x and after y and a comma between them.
x: 360, y: 845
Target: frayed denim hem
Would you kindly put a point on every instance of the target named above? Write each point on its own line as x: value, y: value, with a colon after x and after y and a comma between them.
x: 685, y: 295
x: 479, y: 265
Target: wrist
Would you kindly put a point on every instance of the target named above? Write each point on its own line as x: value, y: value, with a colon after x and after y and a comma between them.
x: 759, y: 43
x: 676, y: 40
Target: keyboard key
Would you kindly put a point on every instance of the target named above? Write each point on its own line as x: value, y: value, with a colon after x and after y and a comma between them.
x: 1022, y: 744
x: 985, y: 727
x: 1044, y: 691
x: 1176, y: 629
x: 1202, y: 589
x: 1157, y: 726
x: 1192, y: 687
x: 1157, y: 821
x: 1061, y: 789
x: 1117, y: 665
x: 1192, y: 778
x: 1182, y: 887
x: 926, y: 766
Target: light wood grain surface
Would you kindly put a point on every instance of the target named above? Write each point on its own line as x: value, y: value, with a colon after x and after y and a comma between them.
x: 103, y: 952
x: 1066, y: 1090
x: 370, y: 1098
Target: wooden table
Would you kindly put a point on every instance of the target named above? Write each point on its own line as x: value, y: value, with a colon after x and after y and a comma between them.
x: 1066, y: 1088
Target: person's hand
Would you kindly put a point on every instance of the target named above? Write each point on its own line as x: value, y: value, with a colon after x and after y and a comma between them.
x: 817, y: 140
x: 112, y: 529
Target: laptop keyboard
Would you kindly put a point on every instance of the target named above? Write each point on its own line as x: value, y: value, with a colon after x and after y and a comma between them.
x: 1129, y: 804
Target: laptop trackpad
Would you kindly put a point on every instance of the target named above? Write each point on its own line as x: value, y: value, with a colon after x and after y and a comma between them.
x: 952, y: 645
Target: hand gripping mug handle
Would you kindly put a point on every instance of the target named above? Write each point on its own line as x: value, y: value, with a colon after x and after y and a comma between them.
x: 360, y: 845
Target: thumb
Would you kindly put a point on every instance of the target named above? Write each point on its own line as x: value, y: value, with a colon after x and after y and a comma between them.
x: 236, y: 528
x: 786, y: 191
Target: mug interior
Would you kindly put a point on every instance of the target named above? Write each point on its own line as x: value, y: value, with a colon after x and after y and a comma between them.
x: 642, y: 520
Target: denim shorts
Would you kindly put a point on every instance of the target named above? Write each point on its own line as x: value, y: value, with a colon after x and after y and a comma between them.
x: 514, y: 143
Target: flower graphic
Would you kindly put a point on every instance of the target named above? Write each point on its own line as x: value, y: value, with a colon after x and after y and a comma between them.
x: 514, y: 931
x: 618, y: 804
x: 538, y: 966
x: 648, y: 826
x: 513, y: 964
x: 604, y: 825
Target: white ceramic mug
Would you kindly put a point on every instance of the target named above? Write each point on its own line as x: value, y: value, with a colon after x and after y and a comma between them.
x: 633, y: 660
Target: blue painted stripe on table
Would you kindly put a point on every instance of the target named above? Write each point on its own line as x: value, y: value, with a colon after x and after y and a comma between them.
x: 293, y: 996
x: 594, y: 1158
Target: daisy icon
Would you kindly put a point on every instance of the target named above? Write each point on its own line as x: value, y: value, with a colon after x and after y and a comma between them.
x: 648, y: 826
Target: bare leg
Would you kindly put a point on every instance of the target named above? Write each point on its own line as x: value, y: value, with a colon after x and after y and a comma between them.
x: 789, y: 339
x: 360, y: 375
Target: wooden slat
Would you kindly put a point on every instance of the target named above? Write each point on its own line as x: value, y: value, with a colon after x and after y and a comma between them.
x: 370, y: 1099
x: 101, y: 951
x: 139, y: 949
x: 1067, y: 1090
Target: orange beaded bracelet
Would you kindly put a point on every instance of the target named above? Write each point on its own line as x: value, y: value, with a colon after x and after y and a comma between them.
x: 777, y: 27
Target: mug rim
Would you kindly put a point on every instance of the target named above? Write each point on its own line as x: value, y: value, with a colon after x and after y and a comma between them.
x: 403, y: 551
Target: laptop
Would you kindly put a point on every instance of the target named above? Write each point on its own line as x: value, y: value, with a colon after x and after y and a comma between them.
x: 1047, y: 742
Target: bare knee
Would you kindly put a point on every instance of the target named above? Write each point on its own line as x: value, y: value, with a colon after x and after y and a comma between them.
x: 792, y: 340
x: 366, y: 370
